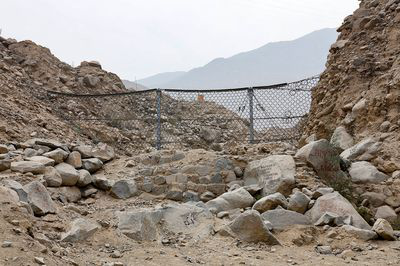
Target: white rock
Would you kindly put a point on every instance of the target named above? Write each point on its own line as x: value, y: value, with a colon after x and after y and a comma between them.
x: 387, y: 213
x: 341, y: 139
x: 298, y: 202
x: 338, y: 205
x: 384, y: 229
x: 362, y: 151
x: 365, y: 173
x: 26, y: 167
x: 81, y: 229
x: 275, y: 173
x: 58, y: 155
x: 270, y: 202
x: 68, y: 174
x: 39, y: 199
x: 41, y: 159
x: 239, y: 198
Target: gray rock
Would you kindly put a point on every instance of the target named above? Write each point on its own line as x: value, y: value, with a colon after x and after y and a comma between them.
x: 384, y: 229
x: 298, y: 202
x: 387, y: 213
x: 324, y: 250
x: 88, y: 191
x: 39, y: 199
x: 5, y: 164
x: 92, y: 165
x: 102, y: 182
x: 363, y: 151
x: 341, y: 139
x: 374, y: 199
x: 239, y: 198
x: 41, y: 159
x: 58, y: 155
x: 48, y: 143
x: 26, y: 167
x: 102, y: 151
x: 365, y: 173
x: 249, y: 227
x: 68, y: 174
x: 360, y: 233
x: 81, y: 229
x: 191, y: 196
x: 174, y: 194
x: 159, y: 180
x: 85, y: 178
x: 28, y: 152
x: 74, y: 159
x: 281, y: 219
x: 338, y: 205
x: 333, y: 219
x: 270, y: 202
x: 52, y: 177
x: 124, y: 189
x: 17, y: 187
x: 207, y: 196
x: 7, y: 195
x: 152, y: 224
x: 324, y: 158
x: 275, y: 173
x: 147, y: 185
x: 71, y: 194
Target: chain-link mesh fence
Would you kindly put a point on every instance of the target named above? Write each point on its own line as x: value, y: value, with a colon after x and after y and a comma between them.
x: 189, y: 118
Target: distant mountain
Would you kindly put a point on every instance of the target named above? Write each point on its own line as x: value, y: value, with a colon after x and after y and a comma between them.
x: 272, y: 63
x: 161, y: 79
x: 130, y: 85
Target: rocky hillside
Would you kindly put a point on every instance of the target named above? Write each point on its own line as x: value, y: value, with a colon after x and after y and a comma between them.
x: 28, y: 71
x: 360, y: 89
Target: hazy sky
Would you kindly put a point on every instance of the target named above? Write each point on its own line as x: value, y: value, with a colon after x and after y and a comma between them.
x: 138, y: 38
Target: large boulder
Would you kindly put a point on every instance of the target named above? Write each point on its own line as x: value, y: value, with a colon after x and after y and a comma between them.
x: 41, y: 159
x: 85, y: 178
x: 58, y: 155
x: 338, y: 205
x: 74, y: 159
x: 387, y: 213
x: 358, y: 233
x: 52, y: 177
x: 238, y: 198
x: 68, y: 174
x: 39, y: 199
x: 92, y: 165
x: 270, y: 202
x: 26, y: 167
x: 298, y: 202
x: 384, y: 229
x: 7, y: 195
x: 281, y: 219
x: 102, y: 151
x: 250, y: 227
x: 153, y: 224
x: 124, y: 189
x: 17, y: 187
x: 365, y: 173
x: 363, y: 151
x: 80, y: 230
x: 275, y: 173
x: 324, y: 159
x: 341, y: 139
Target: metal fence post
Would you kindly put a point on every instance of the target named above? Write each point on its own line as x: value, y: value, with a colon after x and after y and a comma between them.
x: 158, y: 129
x: 250, y: 94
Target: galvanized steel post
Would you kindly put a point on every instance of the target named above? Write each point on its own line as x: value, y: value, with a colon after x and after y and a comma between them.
x: 158, y: 129
x: 250, y: 93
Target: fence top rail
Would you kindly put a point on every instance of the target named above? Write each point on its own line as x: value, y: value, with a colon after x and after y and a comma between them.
x: 280, y: 86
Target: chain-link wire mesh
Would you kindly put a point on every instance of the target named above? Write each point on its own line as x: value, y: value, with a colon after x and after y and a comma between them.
x: 189, y: 118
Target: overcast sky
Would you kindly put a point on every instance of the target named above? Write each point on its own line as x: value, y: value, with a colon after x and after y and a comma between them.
x: 139, y: 38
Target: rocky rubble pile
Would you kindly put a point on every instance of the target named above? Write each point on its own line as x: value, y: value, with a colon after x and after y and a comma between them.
x: 83, y: 191
x: 359, y: 91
